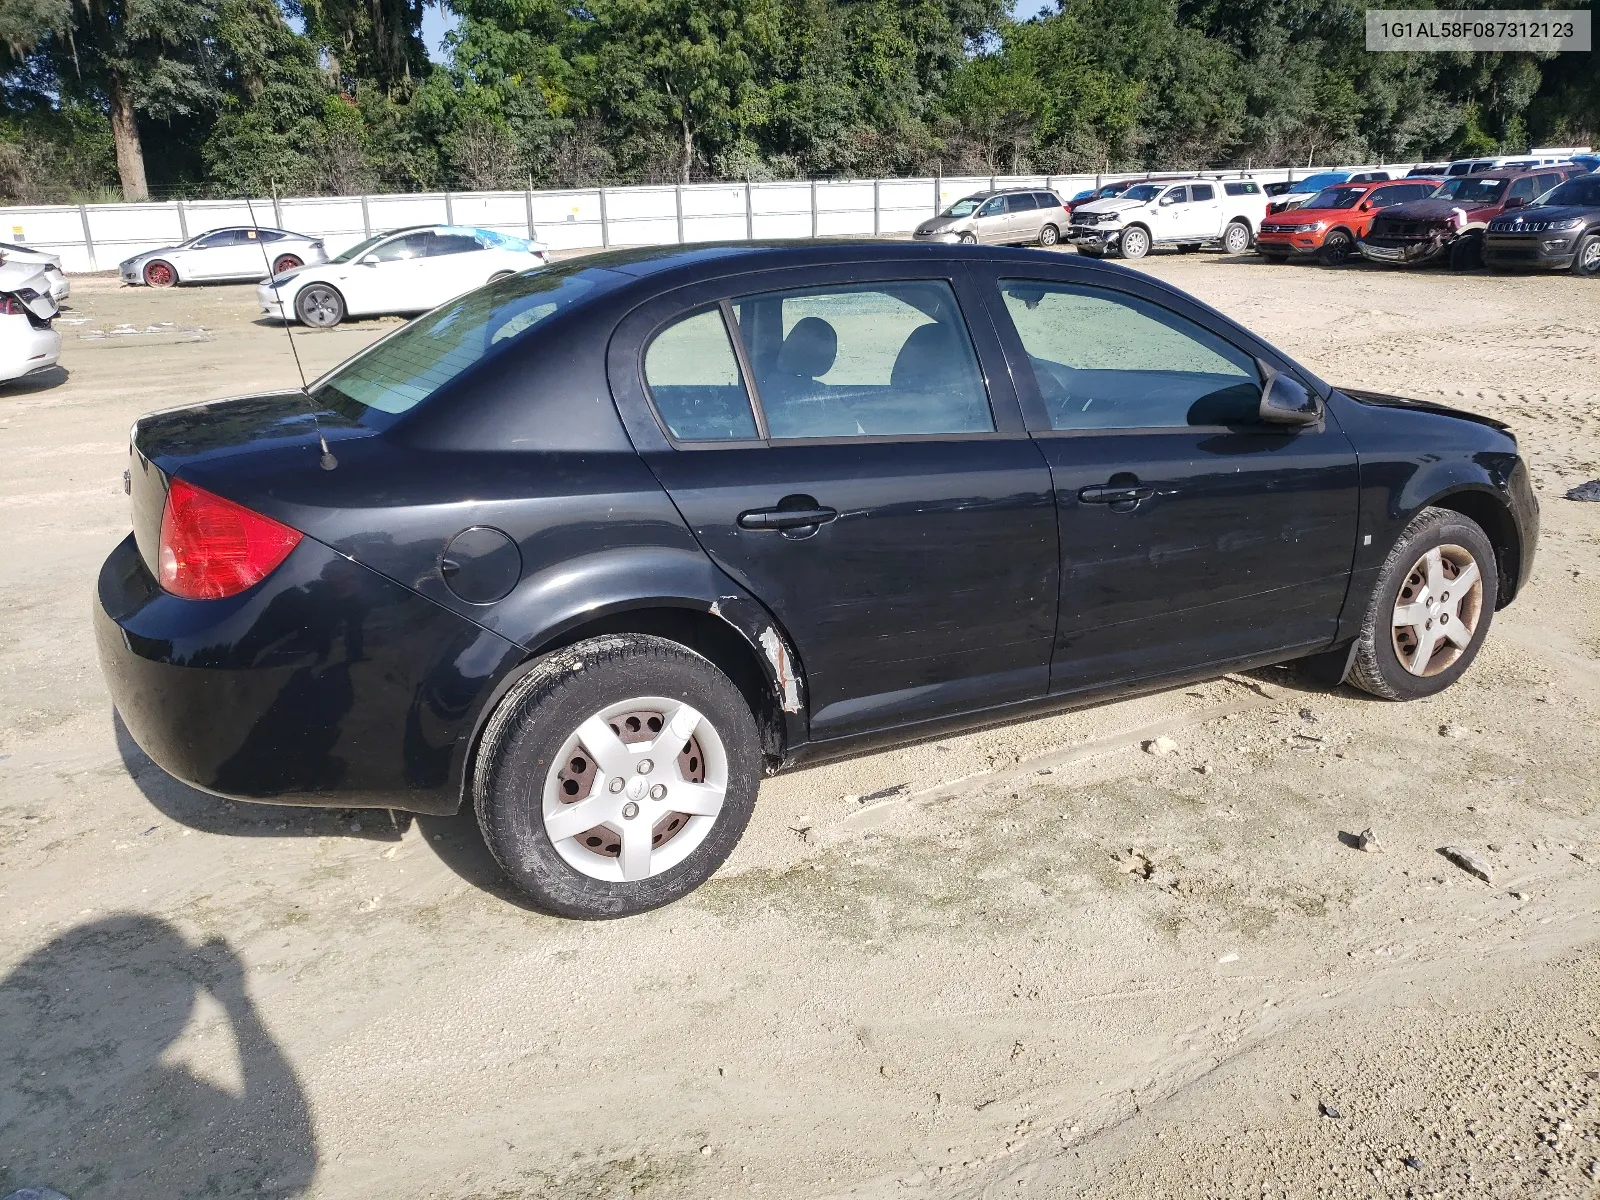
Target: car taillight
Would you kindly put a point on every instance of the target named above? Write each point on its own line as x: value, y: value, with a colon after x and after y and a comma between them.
x: 212, y: 548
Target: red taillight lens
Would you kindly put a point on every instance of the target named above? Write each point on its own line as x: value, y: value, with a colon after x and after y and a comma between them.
x: 212, y: 548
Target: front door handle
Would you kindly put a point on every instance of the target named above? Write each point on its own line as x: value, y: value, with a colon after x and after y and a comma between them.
x: 786, y: 518
x: 1120, y: 493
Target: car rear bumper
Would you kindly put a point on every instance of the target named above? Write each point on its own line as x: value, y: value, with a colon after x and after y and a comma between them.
x: 25, y: 348
x: 325, y: 684
x: 1552, y: 252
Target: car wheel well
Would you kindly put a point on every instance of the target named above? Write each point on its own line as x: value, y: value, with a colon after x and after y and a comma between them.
x: 1495, y: 519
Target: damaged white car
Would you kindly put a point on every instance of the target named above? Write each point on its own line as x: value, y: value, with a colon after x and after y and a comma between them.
x: 29, y: 342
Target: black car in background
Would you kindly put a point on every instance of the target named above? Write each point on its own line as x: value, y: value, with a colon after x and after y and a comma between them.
x: 593, y: 548
x: 1561, y: 231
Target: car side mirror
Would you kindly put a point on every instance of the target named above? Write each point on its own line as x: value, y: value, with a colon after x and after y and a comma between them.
x: 1286, y: 401
x: 1366, y: 206
x: 1515, y: 202
x: 370, y: 260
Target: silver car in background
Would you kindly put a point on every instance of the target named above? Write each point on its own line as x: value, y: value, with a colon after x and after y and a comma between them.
x: 1011, y: 217
x: 236, y: 253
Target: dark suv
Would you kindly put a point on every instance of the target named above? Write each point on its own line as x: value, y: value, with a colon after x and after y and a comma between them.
x: 1560, y: 232
x: 593, y: 548
x: 1450, y: 224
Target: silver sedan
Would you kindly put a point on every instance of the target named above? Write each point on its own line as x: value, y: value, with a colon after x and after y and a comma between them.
x: 235, y: 253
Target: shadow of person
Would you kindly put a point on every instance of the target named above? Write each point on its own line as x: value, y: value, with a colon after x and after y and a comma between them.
x: 98, y: 1101
x: 212, y: 814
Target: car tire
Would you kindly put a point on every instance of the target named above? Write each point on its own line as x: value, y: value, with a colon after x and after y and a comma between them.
x: 1135, y: 242
x: 969, y: 239
x: 1236, y: 237
x: 159, y: 273
x: 1415, y: 600
x: 319, y: 305
x: 535, y: 759
x: 1586, y: 261
x: 1466, y: 253
x: 1336, y: 249
x: 1049, y: 235
x: 286, y: 262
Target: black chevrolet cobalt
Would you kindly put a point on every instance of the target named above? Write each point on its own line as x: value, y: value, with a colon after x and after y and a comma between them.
x: 595, y: 547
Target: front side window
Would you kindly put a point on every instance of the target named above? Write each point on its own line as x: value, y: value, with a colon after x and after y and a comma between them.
x: 1176, y: 196
x: 1582, y: 192
x: 452, y: 243
x: 403, y: 249
x: 1521, y: 189
x: 1105, y: 360
x: 993, y: 208
x: 1337, y: 197
x: 219, y: 237
x: 877, y: 359
x: 694, y: 381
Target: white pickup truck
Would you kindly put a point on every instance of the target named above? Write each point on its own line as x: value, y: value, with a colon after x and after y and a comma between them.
x: 1187, y: 213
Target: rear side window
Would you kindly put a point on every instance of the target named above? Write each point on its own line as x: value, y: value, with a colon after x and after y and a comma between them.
x: 1105, y: 360
x: 1047, y: 200
x: 1241, y: 189
x: 1022, y: 202
x: 1202, y: 191
x: 694, y: 381
x: 452, y: 243
x: 868, y: 360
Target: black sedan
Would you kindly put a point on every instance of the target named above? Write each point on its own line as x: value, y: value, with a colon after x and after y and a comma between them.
x: 597, y: 546
x: 1560, y: 232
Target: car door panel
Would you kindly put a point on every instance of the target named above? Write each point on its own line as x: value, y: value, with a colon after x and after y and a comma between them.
x: 927, y: 587
x: 1207, y: 537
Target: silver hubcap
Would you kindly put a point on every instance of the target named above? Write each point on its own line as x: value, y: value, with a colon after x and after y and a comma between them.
x: 1047, y: 236
x: 1134, y: 244
x: 1237, y: 238
x: 1437, y: 610
x: 635, y: 789
x: 1591, y: 257
x: 319, y: 307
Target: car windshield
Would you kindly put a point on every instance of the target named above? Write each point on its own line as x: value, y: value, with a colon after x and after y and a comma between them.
x: 1471, y: 190
x: 1114, y: 189
x: 963, y: 208
x: 1315, y: 183
x: 1144, y: 191
x: 358, y: 249
x: 405, y: 368
x: 1584, y: 192
x: 1337, y: 197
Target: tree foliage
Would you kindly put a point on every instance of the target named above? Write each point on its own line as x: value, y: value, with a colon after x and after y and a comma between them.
x: 337, y: 96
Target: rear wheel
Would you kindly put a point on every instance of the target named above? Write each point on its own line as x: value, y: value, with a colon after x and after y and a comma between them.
x: 319, y: 305
x: 1236, y: 238
x: 1587, y: 260
x: 1336, y: 249
x: 1135, y: 242
x: 1431, y: 609
x: 1049, y: 235
x: 286, y: 262
x: 159, y: 273
x: 616, y: 776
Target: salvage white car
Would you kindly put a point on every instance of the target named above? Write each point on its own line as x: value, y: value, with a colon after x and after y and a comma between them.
x: 1187, y: 214
x: 406, y: 271
x: 13, y: 252
x: 238, y: 253
x: 28, y: 341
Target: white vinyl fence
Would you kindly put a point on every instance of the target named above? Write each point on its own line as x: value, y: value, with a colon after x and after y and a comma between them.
x: 96, y: 237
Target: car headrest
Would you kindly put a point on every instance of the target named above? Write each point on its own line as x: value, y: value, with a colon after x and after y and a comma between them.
x: 930, y: 356
x: 809, y: 350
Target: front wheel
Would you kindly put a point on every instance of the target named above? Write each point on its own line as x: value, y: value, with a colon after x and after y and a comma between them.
x: 319, y: 306
x: 1049, y: 235
x: 1336, y: 249
x: 1431, y: 609
x: 159, y: 274
x: 616, y: 776
x: 1466, y: 254
x: 1587, y: 260
x: 1236, y: 238
x: 1135, y: 243
x: 969, y: 239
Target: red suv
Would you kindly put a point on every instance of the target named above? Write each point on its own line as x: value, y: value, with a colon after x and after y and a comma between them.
x: 1450, y: 222
x: 1327, y: 226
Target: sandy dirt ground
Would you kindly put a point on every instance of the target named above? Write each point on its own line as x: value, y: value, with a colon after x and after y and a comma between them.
x: 1037, y: 961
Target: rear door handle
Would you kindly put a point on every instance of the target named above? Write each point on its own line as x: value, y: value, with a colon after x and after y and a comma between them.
x: 1116, y: 494
x: 785, y: 518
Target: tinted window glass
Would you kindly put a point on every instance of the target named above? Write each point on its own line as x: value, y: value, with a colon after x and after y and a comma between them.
x: 1177, y: 195
x: 1105, y: 360
x: 1021, y: 202
x: 221, y: 237
x: 1583, y: 191
x: 412, y: 245
x: 1545, y: 183
x: 408, y: 366
x: 1521, y: 189
x: 1202, y: 191
x: 694, y: 380
x: 1241, y: 189
x: 1047, y: 199
x: 993, y: 208
x: 452, y: 243
x: 882, y: 359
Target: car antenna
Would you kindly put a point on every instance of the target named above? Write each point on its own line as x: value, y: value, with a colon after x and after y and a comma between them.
x: 328, y: 461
